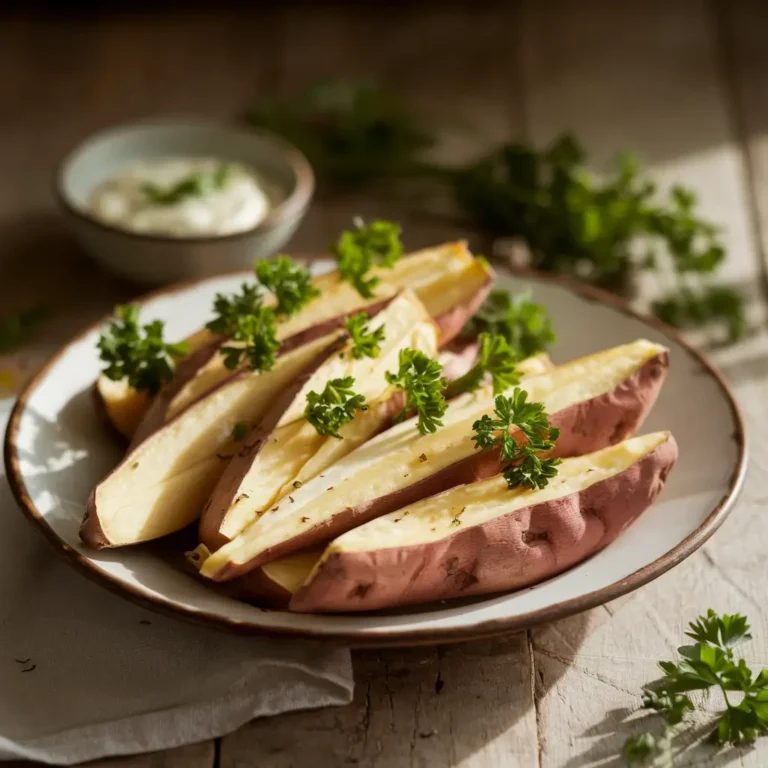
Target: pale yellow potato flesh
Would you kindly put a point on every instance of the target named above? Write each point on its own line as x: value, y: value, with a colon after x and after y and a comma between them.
x: 439, y: 276
x: 161, y: 486
x: 380, y: 466
x: 278, y: 462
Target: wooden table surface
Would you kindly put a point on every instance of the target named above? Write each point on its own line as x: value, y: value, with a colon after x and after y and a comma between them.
x: 682, y: 83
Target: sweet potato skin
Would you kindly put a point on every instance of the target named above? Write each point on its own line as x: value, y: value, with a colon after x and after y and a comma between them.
x: 585, y: 427
x: 515, y: 550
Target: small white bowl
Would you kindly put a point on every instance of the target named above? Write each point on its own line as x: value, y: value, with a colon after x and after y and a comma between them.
x: 151, y: 258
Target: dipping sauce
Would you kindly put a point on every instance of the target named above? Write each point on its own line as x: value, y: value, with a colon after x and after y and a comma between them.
x: 181, y: 197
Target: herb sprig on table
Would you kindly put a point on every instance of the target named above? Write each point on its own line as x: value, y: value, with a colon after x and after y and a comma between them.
x: 335, y: 406
x: 16, y: 329
x: 138, y: 353
x: 707, y: 664
x: 522, y: 464
x: 604, y: 230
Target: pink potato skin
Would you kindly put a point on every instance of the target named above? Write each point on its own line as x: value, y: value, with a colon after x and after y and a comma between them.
x: 451, y: 322
x: 515, y: 550
x: 585, y: 427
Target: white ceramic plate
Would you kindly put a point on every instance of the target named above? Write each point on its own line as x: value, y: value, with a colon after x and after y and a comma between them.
x: 57, y: 449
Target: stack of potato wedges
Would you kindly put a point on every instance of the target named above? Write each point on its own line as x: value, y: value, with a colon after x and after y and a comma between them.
x: 385, y: 516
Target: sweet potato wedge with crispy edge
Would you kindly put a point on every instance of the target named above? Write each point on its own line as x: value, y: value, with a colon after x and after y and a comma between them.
x: 294, y: 454
x: 448, y: 279
x: 484, y: 537
x: 596, y: 401
x: 162, y: 485
x: 271, y: 458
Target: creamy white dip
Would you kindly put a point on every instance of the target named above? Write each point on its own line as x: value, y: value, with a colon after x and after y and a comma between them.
x: 181, y: 197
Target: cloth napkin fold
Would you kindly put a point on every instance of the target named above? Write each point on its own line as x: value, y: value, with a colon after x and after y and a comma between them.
x: 85, y: 674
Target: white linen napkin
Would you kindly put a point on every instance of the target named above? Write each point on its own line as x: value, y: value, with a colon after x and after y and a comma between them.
x: 85, y: 674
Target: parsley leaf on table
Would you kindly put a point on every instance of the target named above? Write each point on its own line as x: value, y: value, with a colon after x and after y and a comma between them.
x: 335, y: 406
x: 365, y: 343
x: 523, y: 465
x: 137, y: 353
x: 15, y: 329
x: 365, y: 246
x: 351, y: 132
x: 709, y: 663
x: 421, y: 378
x: 288, y: 282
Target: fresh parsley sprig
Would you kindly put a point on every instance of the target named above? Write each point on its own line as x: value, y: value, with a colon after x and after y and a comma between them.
x: 421, y: 378
x: 365, y: 246
x: 365, y: 342
x: 335, y: 406
x: 709, y: 663
x: 523, y: 323
x: 495, y: 358
x: 243, y: 318
x: 16, y: 329
x: 195, y: 185
x: 288, y: 282
x: 523, y: 465
x: 138, y: 353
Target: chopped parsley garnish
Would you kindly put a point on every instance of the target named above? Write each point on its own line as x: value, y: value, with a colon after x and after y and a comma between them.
x: 244, y: 318
x: 138, y: 353
x: 335, y: 406
x: 365, y: 246
x: 195, y: 185
x: 523, y: 466
x: 289, y: 283
x: 421, y: 378
x: 365, y: 343
x: 496, y: 358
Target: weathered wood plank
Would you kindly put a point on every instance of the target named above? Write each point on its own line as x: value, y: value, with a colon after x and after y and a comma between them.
x: 466, y: 705
x: 647, y: 77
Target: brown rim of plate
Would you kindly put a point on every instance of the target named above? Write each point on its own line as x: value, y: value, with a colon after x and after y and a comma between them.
x: 396, y: 637
x: 294, y: 203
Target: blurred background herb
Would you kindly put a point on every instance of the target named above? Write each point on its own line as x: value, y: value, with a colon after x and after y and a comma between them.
x: 605, y: 231
x: 18, y: 328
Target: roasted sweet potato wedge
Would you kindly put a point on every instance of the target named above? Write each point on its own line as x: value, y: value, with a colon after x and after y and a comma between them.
x: 447, y: 279
x: 596, y: 401
x: 483, y: 537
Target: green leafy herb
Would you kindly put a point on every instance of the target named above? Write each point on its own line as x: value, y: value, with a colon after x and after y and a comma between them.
x: 290, y: 284
x: 603, y: 229
x: 195, y: 185
x: 257, y: 335
x: 229, y: 308
x: 336, y: 405
x: 496, y: 358
x: 365, y: 246
x: 709, y: 663
x: 365, y: 343
x: 138, y: 353
x: 421, y: 378
x: 16, y: 329
x: 240, y: 431
x: 243, y: 318
x: 523, y: 465
x: 352, y: 132
x: 524, y: 324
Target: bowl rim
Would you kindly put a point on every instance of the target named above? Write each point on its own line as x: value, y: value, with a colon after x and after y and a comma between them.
x: 292, y: 206
x: 397, y: 637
